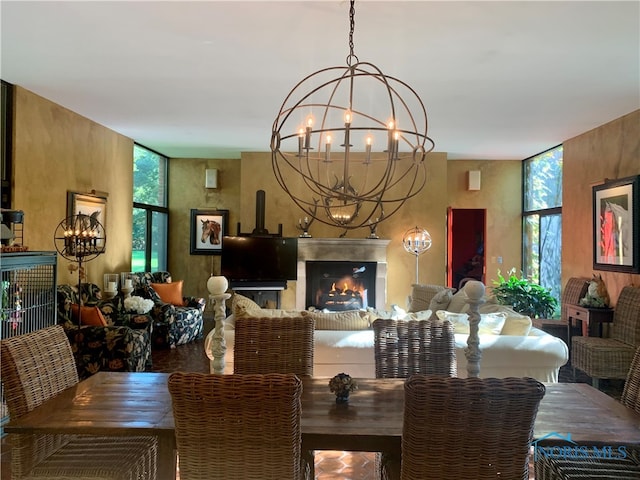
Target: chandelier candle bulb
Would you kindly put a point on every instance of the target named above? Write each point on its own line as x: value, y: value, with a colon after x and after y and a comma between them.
x: 307, y: 137
x: 327, y: 153
x: 300, y: 142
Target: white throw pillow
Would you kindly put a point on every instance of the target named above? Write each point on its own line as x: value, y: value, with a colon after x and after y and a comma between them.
x: 517, y: 325
x: 491, y: 323
x: 422, y: 315
x: 460, y: 321
x: 441, y: 300
x: 458, y: 301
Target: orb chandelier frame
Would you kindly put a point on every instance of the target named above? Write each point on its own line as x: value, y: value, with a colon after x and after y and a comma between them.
x: 342, y: 157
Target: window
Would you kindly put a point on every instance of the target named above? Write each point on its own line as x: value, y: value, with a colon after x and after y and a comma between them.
x: 542, y: 219
x: 150, y: 210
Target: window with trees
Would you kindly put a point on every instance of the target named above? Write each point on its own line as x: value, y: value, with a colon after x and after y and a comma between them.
x: 150, y: 210
x: 542, y: 219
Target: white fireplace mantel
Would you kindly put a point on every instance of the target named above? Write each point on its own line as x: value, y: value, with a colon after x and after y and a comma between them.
x: 342, y: 249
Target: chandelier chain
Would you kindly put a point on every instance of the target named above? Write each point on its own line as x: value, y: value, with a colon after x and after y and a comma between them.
x: 352, y: 26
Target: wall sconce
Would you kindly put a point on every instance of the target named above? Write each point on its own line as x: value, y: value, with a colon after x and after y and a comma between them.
x: 211, y: 178
x: 473, y: 180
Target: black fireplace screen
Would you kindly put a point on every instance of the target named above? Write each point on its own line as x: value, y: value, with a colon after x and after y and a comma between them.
x: 340, y: 285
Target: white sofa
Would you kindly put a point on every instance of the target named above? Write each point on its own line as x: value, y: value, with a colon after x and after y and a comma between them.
x: 536, y: 354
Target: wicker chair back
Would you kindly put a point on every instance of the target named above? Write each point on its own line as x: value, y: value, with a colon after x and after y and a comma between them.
x: 406, y: 347
x: 478, y: 428
x: 274, y: 345
x: 237, y: 426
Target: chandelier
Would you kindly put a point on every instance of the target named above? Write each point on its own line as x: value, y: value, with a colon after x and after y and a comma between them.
x: 349, y: 143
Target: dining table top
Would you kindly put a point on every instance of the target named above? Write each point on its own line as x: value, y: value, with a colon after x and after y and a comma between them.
x: 139, y: 403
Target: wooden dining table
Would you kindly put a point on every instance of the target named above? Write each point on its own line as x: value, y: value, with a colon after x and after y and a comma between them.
x: 138, y: 403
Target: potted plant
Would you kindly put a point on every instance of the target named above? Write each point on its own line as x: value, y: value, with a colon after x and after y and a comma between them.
x: 524, y: 296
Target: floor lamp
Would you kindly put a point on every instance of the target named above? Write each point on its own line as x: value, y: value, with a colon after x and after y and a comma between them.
x: 416, y: 241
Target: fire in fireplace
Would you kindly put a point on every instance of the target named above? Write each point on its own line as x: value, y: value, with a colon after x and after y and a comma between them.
x: 340, y: 285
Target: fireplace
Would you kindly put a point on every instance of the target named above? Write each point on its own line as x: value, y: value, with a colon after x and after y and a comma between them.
x: 347, y: 256
x: 341, y: 285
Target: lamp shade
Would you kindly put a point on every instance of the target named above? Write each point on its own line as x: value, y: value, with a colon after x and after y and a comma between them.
x: 217, y: 285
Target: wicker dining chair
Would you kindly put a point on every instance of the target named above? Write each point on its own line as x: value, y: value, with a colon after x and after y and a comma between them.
x: 611, y: 357
x: 274, y: 345
x: 478, y: 428
x: 583, y: 468
x: 406, y: 347
x: 238, y: 426
x: 37, y: 366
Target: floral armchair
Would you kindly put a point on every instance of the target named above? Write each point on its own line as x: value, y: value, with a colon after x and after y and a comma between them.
x: 124, y: 344
x: 173, y: 324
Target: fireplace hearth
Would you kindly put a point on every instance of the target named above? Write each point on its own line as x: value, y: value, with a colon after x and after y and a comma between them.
x: 352, y: 253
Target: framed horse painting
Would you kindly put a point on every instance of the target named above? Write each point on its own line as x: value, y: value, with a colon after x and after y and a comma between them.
x: 207, y: 229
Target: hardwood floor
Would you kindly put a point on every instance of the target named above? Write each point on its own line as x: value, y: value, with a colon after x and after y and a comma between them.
x: 330, y: 465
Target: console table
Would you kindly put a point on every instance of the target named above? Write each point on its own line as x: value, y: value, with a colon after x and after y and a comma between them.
x: 587, y: 317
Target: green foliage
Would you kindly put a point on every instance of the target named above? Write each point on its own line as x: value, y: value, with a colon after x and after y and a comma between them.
x: 524, y: 296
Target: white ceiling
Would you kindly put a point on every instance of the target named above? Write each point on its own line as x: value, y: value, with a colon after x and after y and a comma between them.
x: 205, y: 79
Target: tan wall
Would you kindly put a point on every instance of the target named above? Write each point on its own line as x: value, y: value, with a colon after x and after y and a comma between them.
x: 500, y: 194
x: 446, y: 186
x: 56, y: 150
x: 186, y: 192
x: 609, y: 152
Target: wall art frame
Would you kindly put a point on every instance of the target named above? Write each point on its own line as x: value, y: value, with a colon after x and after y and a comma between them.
x: 207, y: 229
x: 88, y: 204
x: 616, y: 225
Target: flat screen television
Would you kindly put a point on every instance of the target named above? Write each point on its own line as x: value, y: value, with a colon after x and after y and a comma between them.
x: 259, y: 259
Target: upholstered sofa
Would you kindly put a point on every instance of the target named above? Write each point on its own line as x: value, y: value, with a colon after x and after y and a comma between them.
x: 343, y: 342
x: 175, y: 322
x: 123, y: 344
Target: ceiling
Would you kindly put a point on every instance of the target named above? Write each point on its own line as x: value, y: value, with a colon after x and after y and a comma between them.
x: 206, y: 79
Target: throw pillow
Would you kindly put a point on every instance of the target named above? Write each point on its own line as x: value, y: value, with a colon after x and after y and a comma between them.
x: 520, y: 326
x: 88, y: 315
x: 491, y: 323
x: 460, y: 321
x: 421, y: 296
x: 441, y: 300
x: 241, y: 305
x: 266, y: 313
x: 350, y: 320
x: 170, y: 292
x: 458, y: 302
x: 422, y: 315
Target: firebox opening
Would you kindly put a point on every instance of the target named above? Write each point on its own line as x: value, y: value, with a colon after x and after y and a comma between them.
x: 340, y: 285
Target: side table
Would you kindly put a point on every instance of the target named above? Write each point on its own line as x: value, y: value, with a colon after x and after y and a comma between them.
x: 587, y: 317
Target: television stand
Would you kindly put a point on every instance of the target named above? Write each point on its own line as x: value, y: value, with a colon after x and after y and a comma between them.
x: 265, y: 294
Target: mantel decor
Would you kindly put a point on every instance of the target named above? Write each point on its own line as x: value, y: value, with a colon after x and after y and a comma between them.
x: 616, y: 225
x: 207, y: 229
x: 349, y: 143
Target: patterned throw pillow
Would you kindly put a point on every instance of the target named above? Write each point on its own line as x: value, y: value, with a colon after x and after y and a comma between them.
x: 350, y: 320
